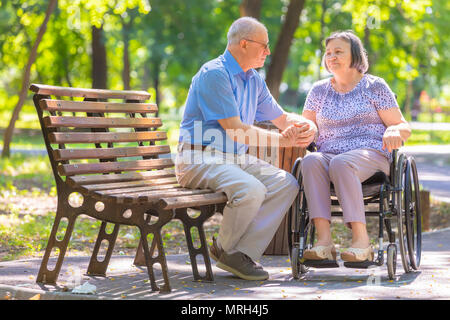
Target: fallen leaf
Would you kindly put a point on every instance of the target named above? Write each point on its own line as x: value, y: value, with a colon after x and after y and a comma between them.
x: 36, y: 297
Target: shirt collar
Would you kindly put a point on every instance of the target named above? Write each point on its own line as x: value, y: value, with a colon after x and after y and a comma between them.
x: 233, y: 66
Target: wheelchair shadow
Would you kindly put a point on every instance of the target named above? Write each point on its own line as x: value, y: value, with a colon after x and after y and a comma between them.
x: 368, y: 277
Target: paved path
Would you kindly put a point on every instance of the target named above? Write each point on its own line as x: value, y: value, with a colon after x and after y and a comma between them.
x: 125, y: 281
x: 433, y: 166
x: 430, y: 126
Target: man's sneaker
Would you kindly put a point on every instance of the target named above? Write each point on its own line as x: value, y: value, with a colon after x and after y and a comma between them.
x: 242, y: 266
x: 214, y: 251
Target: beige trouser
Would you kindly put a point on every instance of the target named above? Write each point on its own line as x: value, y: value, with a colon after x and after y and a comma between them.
x: 346, y: 171
x: 259, y: 195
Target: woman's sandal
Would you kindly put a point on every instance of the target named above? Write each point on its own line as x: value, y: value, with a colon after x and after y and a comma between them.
x: 320, y: 253
x: 358, y: 254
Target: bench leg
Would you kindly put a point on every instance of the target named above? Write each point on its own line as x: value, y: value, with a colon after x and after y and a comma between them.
x: 139, y: 259
x: 46, y: 275
x: 150, y: 259
x: 98, y: 267
x: 188, y: 224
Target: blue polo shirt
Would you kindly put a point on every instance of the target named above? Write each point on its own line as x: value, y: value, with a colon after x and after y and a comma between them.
x: 219, y: 90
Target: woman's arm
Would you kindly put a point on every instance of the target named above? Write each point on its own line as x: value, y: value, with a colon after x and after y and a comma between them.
x: 397, y: 131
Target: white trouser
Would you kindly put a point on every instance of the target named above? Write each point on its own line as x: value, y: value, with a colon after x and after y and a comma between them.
x: 259, y: 195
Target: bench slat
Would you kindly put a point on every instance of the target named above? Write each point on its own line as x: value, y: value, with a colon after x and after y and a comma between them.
x: 101, y: 122
x: 129, y: 184
x: 104, y: 167
x: 192, y: 201
x: 97, y: 107
x: 137, y: 189
x: 119, y: 177
x: 155, y: 196
x: 89, y: 93
x: 104, y: 137
x: 107, y: 153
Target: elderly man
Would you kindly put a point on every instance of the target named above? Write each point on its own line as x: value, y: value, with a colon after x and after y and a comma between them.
x: 225, y: 98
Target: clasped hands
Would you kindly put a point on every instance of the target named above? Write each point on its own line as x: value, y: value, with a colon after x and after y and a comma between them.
x: 300, y: 134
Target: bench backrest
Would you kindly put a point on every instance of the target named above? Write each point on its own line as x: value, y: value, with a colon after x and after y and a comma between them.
x: 95, y: 131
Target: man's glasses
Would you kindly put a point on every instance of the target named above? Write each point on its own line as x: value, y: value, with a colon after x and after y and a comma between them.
x: 265, y: 45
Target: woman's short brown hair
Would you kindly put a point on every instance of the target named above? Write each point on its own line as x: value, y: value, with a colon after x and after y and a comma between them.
x: 359, y: 54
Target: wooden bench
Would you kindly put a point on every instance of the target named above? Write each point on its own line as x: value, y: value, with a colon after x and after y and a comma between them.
x: 104, y: 145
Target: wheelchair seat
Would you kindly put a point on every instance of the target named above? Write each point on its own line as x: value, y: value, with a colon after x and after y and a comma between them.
x: 371, y: 186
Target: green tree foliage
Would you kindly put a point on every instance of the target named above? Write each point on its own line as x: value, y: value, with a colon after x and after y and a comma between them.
x: 168, y: 40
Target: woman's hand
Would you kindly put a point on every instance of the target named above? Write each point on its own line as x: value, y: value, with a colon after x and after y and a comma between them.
x: 392, y: 139
x: 398, y: 129
x: 300, y: 134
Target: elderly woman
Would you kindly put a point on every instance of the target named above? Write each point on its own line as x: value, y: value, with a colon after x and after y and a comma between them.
x: 359, y: 124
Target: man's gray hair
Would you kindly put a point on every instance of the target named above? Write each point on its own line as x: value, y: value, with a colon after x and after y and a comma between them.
x: 243, y: 28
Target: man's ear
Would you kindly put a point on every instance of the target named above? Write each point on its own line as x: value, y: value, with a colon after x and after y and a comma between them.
x: 243, y: 43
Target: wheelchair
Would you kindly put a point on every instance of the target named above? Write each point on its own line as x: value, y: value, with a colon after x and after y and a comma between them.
x: 397, y: 196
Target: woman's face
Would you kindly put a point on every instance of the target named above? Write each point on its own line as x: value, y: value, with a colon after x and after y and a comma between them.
x: 338, y: 56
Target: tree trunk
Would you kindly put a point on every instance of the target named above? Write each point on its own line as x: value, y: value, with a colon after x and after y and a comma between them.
x: 26, y: 80
x: 99, y: 65
x: 280, y: 54
x: 250, y: 8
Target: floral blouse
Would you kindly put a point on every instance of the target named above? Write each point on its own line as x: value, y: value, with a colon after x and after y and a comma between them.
x: 349, y: 121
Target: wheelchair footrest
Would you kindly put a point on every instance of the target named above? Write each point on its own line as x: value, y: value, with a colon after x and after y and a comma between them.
x: 321, y: 263
x: 361, y: 265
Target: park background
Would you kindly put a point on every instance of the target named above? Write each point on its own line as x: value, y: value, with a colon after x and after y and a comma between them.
x: 158, y: 46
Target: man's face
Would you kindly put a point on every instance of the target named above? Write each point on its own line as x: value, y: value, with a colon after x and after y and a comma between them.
x: 257, y: 48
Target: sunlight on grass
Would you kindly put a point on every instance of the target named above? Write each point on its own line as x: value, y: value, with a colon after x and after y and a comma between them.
x: 26, y: 172
x: 422, y: 137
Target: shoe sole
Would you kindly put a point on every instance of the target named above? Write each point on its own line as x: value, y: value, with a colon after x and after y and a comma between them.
x: 239, y: 274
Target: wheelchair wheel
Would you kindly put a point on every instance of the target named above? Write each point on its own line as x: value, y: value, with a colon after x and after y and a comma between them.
x: 296, y: 223
x: 400, y: 202
x: 293, y: 225
x: 391, y: 260
x: 305, y: 242
x: 413, y: 214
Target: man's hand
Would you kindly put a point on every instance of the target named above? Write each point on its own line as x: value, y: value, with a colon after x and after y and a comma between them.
x: 300, y: 134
